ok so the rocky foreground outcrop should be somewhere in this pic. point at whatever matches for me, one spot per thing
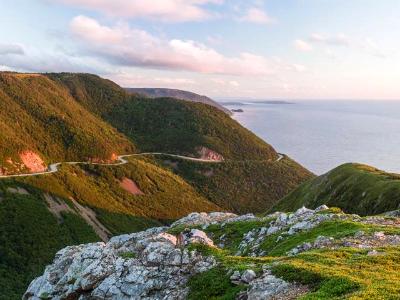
(158, 263)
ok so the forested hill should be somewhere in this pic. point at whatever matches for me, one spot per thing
(48, 118)
(177, 94)
(165, 124)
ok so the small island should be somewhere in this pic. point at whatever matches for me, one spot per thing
(239, 110)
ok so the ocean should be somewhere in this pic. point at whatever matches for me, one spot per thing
(324, 134)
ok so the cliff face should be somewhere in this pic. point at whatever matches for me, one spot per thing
(279, 256)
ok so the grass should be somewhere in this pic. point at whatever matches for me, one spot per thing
(213, 284)
(354, 188)
(127, 255)
(335, 229)
(166, 195)
(345, 272)
(233, 232)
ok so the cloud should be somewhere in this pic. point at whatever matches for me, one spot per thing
(302, 45)
(13, 49)
(256, 15)
(367, 45)
(335, 40)
(133, 79)
(36, 60)
(126, 46)
(372, 48)
(225, 83)
(159, 10)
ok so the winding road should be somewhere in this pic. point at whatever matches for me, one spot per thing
(53, 168)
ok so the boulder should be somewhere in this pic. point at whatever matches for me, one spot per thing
(248, 276)
(144, 265)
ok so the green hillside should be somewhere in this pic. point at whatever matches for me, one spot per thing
(355, 188)
(80, 117)
(39, 115)
(32, 229)
(30, 236)
(165, 124)
(241, 186)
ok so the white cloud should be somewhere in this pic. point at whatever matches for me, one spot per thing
(36, 60)
(334, 40)
(256, 15)
(13, 49)
(159, 10)
(367, 45)
(371, 47)
(302, 45)
(127, 46)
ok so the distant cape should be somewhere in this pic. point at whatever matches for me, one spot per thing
(178, 94)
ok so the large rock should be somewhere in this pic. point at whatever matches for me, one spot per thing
(194, 236)
(145, 265)
(195, 219)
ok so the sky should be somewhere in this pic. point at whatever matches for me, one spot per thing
(225, 49)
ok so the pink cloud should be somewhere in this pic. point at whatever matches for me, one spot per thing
(302, 45)
(128, 46)
(160, 10)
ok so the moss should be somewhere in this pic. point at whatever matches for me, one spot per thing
(345, 273)
(127, 255)
(213, 284)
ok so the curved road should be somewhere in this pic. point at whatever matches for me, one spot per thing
(53, 168)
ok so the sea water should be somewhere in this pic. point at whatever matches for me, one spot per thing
(324, 134)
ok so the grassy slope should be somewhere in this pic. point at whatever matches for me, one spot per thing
(166, 196)
(40, 115)
(30, 236)
(353, 187)
(244, 186)
(345, 273)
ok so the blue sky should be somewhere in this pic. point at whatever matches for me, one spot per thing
(283, 49)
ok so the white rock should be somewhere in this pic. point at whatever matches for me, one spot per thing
(321, 208)
(272, 230)
(159, 270)
(248, 276)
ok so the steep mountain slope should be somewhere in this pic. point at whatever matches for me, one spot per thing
(175, 126)
(39, 118)
(355, 188)
(177, 94)
(165, 124)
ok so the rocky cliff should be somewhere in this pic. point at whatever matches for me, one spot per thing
(278, 256)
